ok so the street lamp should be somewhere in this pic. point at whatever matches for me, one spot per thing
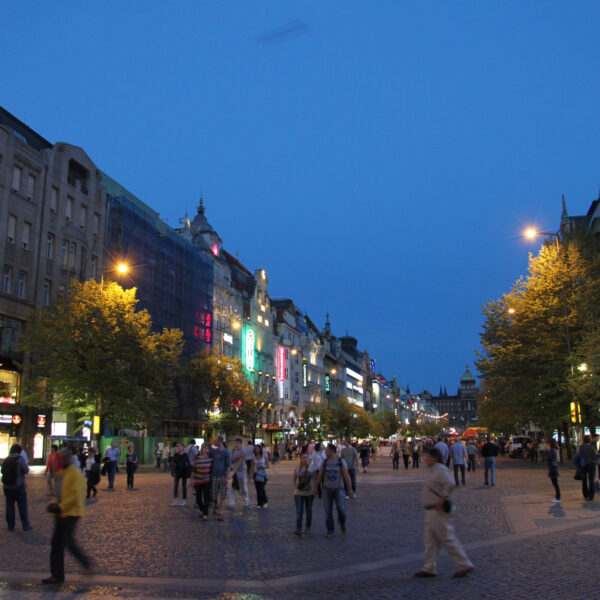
(511, 311)
(122, 268)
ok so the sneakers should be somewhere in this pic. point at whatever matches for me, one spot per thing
(329, 534)
(246, 504)
(298, 532)
(463, 572)
(175, 502)
(51, 580)
(555, 501)
(265, 505)
(182, 503)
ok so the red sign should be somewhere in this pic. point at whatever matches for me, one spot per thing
(16, 419)
(124, 442)
(41, 421)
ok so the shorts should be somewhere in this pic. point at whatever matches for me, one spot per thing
(218, 488)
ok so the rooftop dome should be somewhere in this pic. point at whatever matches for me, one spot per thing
(467, 376)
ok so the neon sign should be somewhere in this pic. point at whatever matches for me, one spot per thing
(304, 374)
(327, 384)
(281, 363)
(250, 350)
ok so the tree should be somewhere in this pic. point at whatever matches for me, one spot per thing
(386, 423)
(100, 356)
(527, 336)
(340, 419)
(314, 418)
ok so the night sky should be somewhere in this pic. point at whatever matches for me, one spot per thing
(378, 159)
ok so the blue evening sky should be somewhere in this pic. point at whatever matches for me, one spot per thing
(379, 159)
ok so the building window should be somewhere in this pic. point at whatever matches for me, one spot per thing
(11, 233)
(50, 245)
(69, 209)
(7, 279)
(83, 217)
(94, 266)
(46, 293)
(287, 394)
(27, 235)
(54, 200)
(64, 252)
(96, 223)
(30, 187)
(72, 254)
(16, 178)
(9, 342)
(22, 285)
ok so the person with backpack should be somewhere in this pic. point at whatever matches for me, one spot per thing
(303, 493)
(14, 469)
(332, 476)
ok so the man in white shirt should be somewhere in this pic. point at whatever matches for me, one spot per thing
(459, 455)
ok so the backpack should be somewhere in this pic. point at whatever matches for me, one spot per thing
(10, 470)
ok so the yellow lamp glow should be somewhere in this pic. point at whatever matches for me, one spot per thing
(122, 268)
(530, 233)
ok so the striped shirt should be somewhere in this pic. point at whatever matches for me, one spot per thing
(202, 466)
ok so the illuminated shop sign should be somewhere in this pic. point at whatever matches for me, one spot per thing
(354, 374)
(228, 338)
(250, 349)
(327, 384)
(304, 374)
(373, 366)
(281, 363)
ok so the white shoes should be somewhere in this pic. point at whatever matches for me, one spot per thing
(175, 502)
(182, 503)
(555, 501)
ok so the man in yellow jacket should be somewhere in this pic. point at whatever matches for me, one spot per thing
(68, 512)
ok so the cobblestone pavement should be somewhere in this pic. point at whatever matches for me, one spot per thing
(145, 548)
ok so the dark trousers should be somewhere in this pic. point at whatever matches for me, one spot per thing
(352, 476)
(462, 472)
(177, 478)
(472, 462)
(249, 467)
(261, 494)
(112, 470)
(554, 480)
(395, 461)
(303, 502)
(331, 496)
(18, 495)
(203, 497)
(415, 460)
(91, 489)
(406, 458)
(63, 537)
(587, 485)
(130, 473)
(158, 462)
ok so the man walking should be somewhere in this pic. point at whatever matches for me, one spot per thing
(238, 467)
(489, 452)
(417, 448)
(587, 453)
(332, 475)
(221, 467)
(249, 457)
(439, 531)
(112, 453)
(350, 455)
(472, 456)
(443, 449)
(68, 512)
(14, 469)
(458, 452)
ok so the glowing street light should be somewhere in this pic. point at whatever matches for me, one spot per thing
(582, 368)
(122, 268)
(531, 233)
(511, 311)
(236, 325)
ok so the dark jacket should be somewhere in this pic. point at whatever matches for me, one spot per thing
(588, 453)
(22, 470)
(488, 450)
(180, 465)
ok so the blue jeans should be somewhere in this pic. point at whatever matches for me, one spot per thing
(112, 470)
(490, 467)
(352, 475)
(18, 495)
(301, 502)
(329, 497)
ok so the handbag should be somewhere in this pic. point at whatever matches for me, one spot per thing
(579, 474)
(235, 483)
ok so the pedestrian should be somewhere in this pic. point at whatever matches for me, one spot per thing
(444, 450)
(221, 468)
(489, 452)
(552, 462)
(365, 453)
(158, 454)
(201, 481)
(302, 479)
(92, 473)
(14, 469)
(260, 464)
(585, 459)
(439, 531)
(192, 451)
(350, 455)
(405, 452)
(82, 458)
(332, 475)
(112, 454)
(67, 512)
(395, 456)
(239, 481)
(131, 465)
(317, 456)
(180, 471)
(471, 456)
(459, 455)
(166, 456)
(53, 467)
(417, 449)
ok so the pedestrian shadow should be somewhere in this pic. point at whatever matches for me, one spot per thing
(132, 489)
(587, 505)
(32, 538)
(557, 511)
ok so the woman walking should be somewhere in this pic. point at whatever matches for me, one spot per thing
(201, 481)
(303, 478)
(180, 467)
(552, 462)
(131, 464)
(260, 464)
(92, 473)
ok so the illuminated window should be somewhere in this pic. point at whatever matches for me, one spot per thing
(259, 318)
(266, 322)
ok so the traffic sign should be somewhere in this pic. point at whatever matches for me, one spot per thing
(16, 419)
(41, 421)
